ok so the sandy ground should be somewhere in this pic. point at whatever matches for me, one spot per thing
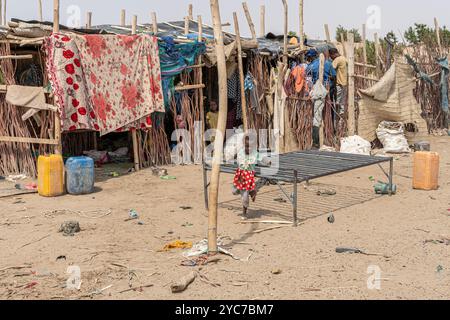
(114, 254)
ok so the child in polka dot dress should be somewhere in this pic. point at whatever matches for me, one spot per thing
(244, 180)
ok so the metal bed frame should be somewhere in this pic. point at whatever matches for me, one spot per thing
(304, 166)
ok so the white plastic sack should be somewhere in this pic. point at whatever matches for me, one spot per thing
(392, 136)
(355, 145)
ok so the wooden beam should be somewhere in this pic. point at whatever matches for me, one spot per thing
(351, 84)
(191, 12)
(123, 17)
(190, 87)
(5, 18)
(154, 23)
(302, 24)
(88, 20)
(369, 66)
(40, 17)
(377, 54)
(438, 35)
(200, 35)
(58, 147)
(218, 142)
(262, 21)
(285, 32)
(249, 20)
(364, 41)
(134, 131)
(186, 25)
(327, 33)
(200, 91)
(53, 142)
(17, 57)
(241, 72)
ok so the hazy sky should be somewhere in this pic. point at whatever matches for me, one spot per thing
(387, 15)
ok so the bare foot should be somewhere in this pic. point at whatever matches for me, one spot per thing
(253, 195)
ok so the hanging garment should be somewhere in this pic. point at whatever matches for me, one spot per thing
(251, 90)
(443, 62)
(299, 73)
(318, 95)
(234, 93)
(107, 83)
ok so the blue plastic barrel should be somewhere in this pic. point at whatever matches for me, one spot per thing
(80, 175)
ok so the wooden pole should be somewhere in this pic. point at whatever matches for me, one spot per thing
(438, 35)
(302, 24)
(1, 12)
(201, 99)
(191, 12)
(123, 17)
(88, 20)
(241, 72)
(327, 33)
(262, 21)
(58, 147)
(218, 142)
(364, 41)
(321, 76)
(377, 55)
(186, 25)
(249, 20)
(154, 23)
(40, 11)
(200, 29)
(134, 131)
(343, 44)
(351, 84)
(285, 42)
(5, 19)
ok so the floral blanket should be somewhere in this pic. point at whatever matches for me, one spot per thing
(105, 83)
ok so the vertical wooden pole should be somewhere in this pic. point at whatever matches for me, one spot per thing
(40, 11)
(1, 12)
(123, 17)
(191, 12)
(364, 40)
(351, 84)
(249, 20)
(344, 48)
(88, 20)
(377, 55)
(262, 21)
(58, 148)
(241, 72)
(285, 42)
(154, 23)
(302, 24)
(186, 25)
(321, 77)
(5, 18)
(438, 35)
(201, 99)
(327, 33)
(218, 142)
(134, 131)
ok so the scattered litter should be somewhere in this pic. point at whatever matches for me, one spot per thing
(185, 208)
(95, 292)
(15, 178)
(69, 228)
(439, 269)
(178, 244)
(331, 218)
(240, 284)
(114, 174)
(206, 280)
(138, 288)
(280, 200)
(372, 179)
(168, 178)
(326, 192)
(442, 240)
(133, 215)
(140, 223)
(201, 248)
(187, 224)
(61, 258)
(200, 261)
(183, 283)
(266, 222)
(160, 172)
(355, 145)
(93, 214)
(383, 188)
(358, 251)
(276, 271)
(31, 285)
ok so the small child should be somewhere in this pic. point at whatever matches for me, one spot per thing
(212, 116)
(244, 180)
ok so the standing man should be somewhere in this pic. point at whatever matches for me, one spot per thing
(340, 63)
(319, 91)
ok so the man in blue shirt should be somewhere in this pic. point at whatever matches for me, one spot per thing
(313, 68)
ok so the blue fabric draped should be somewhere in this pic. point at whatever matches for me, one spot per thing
(175, 58)
(443, 62)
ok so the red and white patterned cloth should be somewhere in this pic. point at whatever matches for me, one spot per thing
(105, 82)
(244, 180)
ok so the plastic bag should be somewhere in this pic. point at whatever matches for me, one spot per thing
(392, 136)
(356, 145)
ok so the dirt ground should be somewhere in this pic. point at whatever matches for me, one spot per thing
(284, 263)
